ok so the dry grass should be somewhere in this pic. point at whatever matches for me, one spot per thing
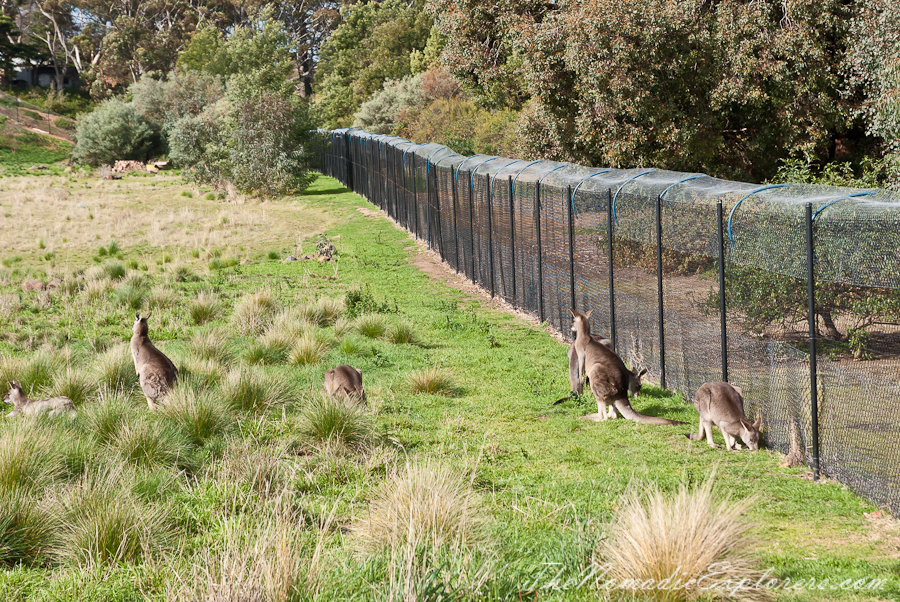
(431, 381)
(204, 307)
(213, 345)
(310, 349)
(288, 325)
(253, 312)
(343, 421)
(656, 536)
(427, 520)
(133, 213)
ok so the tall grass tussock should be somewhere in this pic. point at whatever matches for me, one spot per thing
(247, 389)
(114, 369)
(309, 349)
(655, 536)
(205, 307)
(200, 416)
(254, 312)
(342, 421)
(432, 381)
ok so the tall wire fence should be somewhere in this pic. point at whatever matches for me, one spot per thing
(652, 251)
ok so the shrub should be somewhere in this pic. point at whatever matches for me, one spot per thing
(654, 537)
(336, 420)
(432, 381)
(113, 131)
(381, 113)
(182, 93)
(64, 124)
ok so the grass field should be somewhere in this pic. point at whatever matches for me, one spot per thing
(249, 485)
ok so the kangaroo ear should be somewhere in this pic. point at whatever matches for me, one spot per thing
(746, 424)
(738, 389)
(572, 311)
(588, 313)
(147, 317)
(137, 317)
(642, 372)
(758, 422)
(358, 371)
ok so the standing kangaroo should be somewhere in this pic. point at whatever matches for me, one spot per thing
(610, 380)
(22, 406)
(344, 380)
(723, 405)
(155, 371)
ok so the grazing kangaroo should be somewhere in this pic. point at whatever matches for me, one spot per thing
(155, 371)
(344, 380)
(723, 405)
(576, 377)
(610, 380)
(22, 406)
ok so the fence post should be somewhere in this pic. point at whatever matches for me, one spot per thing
(722, 318)
(428, 201)
(349, 162)
(415, 229)
(455, 225)
(571, 205)
(472, 227)
(612, 291)
(813, 376)
(490, 211)
(540, 254)
(512, 237)
(659, 289)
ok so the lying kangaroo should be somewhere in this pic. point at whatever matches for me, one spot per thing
(723, 405)
(344, 380)
(22, 406)
(155, 371)
(610, 380)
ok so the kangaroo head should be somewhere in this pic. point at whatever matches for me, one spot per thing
(15, 396)
(580, 321)
(140, 324)
(634, 381)
(750, 433)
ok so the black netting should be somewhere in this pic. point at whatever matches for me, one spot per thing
(544, 235)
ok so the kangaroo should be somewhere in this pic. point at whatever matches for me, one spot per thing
(610, 380)
(53, 406)
(723, 405)
(155, 371)
(576, 377)
(344, 380)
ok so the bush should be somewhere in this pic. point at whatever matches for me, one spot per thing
(114, 131)
(64, 124)
(463, 126)
(381, 113)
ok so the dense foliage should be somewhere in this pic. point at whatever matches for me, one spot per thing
(114, 131)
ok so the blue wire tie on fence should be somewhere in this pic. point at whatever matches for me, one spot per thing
(498, 173)
(843, 198)
(428, 160)
(456, 175)
(694, 177)
(512, 193)
(749, 194)
(583, 180)
(474, 169)
(615, 196)
(558, 167)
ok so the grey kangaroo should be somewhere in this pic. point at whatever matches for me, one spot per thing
(610, 380)
(344, 380)
(576, 377)
(723, 405)
(155, 371)
(22, 406)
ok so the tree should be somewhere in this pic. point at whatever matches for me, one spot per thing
(112, 132)
(11, 48)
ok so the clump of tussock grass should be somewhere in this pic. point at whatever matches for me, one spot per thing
(253, 390)
(162, 296)
(259, 468)
(95, 272)
(352, 346)
(288, 324)
(30, 456)
(148, 443)
(371, 325)
(26, 529)
(323, 311)
(401, 333)
(105, 417)
(74, 384)
(114, 369)
(265, 352)
(9, 306)
(655, 536)
(199, 373)
(212, 344)
(135, 278)
(257, 558)
(309, 349)
(200, 416)
(115, 270)
(97, 290)
(343, 421)
(102, 523)
(204, 307)
(33, 372)
(433, 381)
(427, 519)
(343, 326)
(129, 296)
(253, 313)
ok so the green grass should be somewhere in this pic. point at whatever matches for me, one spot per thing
(253, 442)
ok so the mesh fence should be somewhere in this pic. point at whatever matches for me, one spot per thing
(651, 252)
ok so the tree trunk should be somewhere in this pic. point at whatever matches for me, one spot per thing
(831, 330)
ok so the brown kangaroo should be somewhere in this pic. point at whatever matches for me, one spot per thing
(610, 380)
(155, 371)
(344, 380)
(22, 406)
(723, 405)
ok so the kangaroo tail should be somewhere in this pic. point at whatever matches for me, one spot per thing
(566, 398)
(628, 412)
